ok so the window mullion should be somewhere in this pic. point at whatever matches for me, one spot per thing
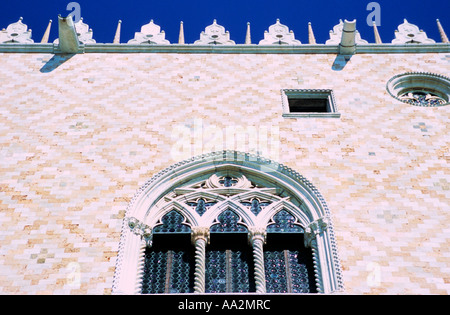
(287, 266)
(168, 271)
(229, 277)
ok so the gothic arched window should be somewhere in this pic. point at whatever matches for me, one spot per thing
(223, 225)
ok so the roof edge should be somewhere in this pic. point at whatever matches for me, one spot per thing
(229, 49)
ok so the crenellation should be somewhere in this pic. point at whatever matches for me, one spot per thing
(277, 34)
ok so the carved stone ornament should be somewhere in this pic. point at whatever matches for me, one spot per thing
(85, 34)
(279, 34)
(200, 232)
(408, 33)
(150, 34)
(16, 33)
(336, 35)
(257, 233)
(214, 34)
(228, 180)
(315, 228)
(141, 229)
(420, 89)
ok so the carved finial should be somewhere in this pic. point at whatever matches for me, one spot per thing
(214, 34)
(149, 34)
(118, 30)
(408, 33)
(444, 37)
(46, 35)
(248, 39)
(377, 35)
(311, 37)
(279, 34)
(181, 36)
(16, 33)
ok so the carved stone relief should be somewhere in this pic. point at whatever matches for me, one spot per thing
(16, 33)
(279, 34)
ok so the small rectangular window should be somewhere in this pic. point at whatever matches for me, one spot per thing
(309, 103)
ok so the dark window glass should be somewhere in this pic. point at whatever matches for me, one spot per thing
(288, 264)
(284, 222)
(229, 264)
(172, 222)
(169, 265)
(308, 105)
(228, 222)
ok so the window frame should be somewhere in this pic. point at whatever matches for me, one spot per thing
(332, 110)
(424, 82)
(311, 213)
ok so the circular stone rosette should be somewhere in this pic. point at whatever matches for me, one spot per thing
(420, 89)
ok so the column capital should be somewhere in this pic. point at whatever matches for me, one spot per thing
(257, 233)
(200, 232)
(315, 228)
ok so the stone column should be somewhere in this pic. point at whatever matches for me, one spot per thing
(257, 238)
(140, 235)
(315, 234)
(200, 237)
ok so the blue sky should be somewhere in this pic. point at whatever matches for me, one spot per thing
(102, 16)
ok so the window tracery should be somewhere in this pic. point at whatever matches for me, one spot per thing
(420, 89)
(228, 222)
(284, 222)
(172, 222)
(220, 202)
(420, 98)
(228, 216)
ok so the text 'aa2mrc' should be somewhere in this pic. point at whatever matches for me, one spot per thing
(225, 305)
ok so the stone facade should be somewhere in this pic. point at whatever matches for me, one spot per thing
(81, 133)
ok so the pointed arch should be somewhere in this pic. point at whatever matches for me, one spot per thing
(228, 221)
(172, 222)
(284, 204)
(247, 218)
(294, 193)
(284, 221)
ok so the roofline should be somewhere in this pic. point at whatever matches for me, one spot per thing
(229, 49)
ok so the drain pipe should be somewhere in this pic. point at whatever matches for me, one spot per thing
(347, 47)
(68, 38)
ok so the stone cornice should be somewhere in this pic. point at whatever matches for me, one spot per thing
(229, 49)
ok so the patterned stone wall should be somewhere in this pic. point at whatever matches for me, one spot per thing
(80, 134)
